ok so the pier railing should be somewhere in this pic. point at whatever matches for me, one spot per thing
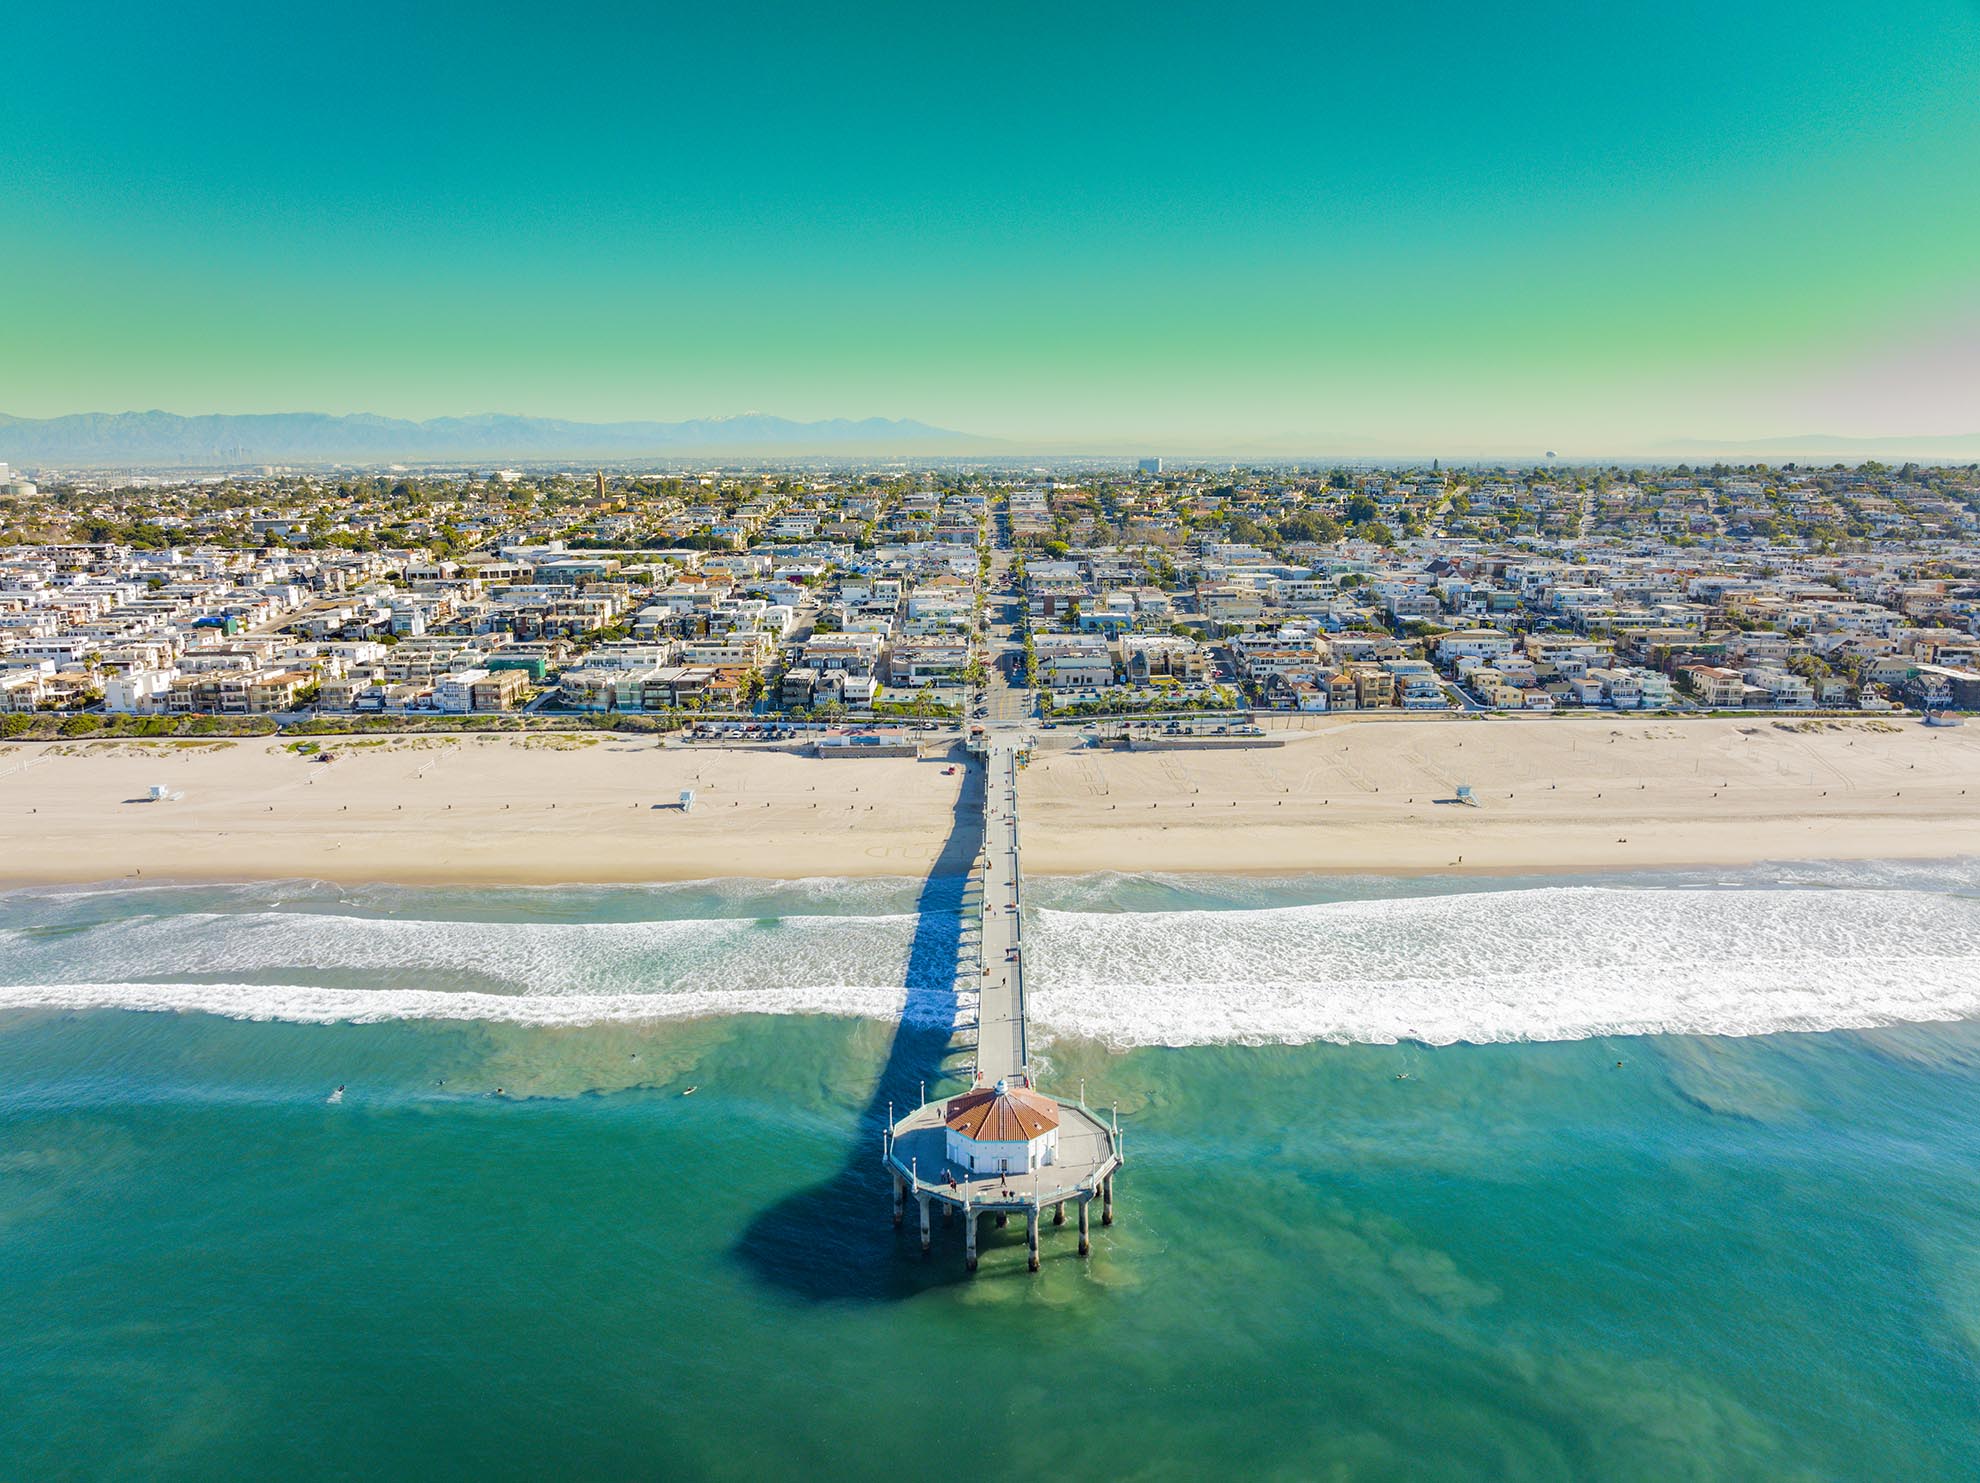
(1037, 1195)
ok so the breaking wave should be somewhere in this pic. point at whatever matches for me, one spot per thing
(1470, 962)
(1545, 963)
(537, 958)
(316, 1005)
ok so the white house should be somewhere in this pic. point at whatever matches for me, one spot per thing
(454, 693)
(1477, 643)
(138, 691)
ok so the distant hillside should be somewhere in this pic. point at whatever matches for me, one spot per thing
(221, 440)
(1952, 447)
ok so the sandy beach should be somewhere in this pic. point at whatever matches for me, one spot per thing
(1595, 793)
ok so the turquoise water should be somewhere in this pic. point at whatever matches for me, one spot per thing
(1750, 1255)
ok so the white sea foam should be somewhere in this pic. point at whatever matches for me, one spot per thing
(729, 895)
(312, 1004)
(1546, 963)
(551, 958)
(1542, 963)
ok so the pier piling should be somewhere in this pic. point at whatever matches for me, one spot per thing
(1085, 1244)
(1031, 1238)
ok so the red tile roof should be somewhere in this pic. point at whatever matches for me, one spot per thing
(1012, 1116)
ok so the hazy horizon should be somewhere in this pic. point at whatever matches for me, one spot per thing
(535, 440)
(1294, 227)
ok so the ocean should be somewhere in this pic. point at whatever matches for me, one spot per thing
(1648, 1176)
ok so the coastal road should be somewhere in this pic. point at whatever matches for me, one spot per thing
(1006, 698)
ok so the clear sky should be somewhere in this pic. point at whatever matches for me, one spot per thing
(1584, 225)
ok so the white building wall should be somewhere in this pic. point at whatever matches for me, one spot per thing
(141, 691)
(1017, 1157)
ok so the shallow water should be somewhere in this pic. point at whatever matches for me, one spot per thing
(1730, 1256)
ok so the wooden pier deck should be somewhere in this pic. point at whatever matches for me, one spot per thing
(1001, 1049)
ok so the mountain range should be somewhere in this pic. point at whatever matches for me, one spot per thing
(224, 440)
(1947, 446)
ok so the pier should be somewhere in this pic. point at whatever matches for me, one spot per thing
(1002, 1148)
(1001, 1051)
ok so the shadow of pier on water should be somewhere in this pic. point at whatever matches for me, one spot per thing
(835, 1240)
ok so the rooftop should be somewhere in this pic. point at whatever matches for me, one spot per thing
(1001, 1114)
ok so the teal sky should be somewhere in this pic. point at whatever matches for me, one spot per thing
(1282, 225)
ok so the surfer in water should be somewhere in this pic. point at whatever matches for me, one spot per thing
(338, 1095)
